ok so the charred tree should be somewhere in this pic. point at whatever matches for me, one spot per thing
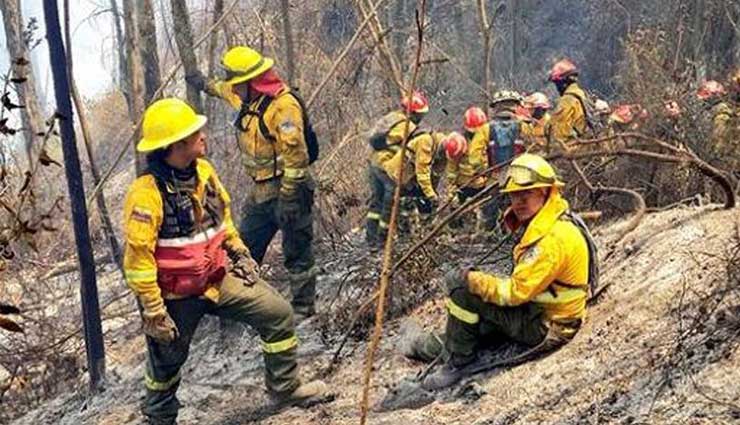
(120, 48)
(88, 290)
(149, 52)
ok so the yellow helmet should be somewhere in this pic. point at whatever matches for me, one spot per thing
(242, 63)
(530, 171)
(167, 121)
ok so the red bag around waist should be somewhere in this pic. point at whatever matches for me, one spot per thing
(185, 266)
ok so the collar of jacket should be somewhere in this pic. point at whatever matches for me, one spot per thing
(542, 222)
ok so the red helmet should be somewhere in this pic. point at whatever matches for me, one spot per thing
(623, 114)
(417, 104)
(710, 89)
(474, 118)
(562, 69)
(455, 145)
(537, 100)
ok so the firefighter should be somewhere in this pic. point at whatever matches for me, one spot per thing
(533, 131)
(180, 239)
(545, 295)
(569, 119)
(423, 164)
(276, 152)
(467, 161)
(713, 95)
(385, 139)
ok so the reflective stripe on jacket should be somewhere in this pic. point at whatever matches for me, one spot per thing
(551, 266)
(179, 264)
(264, 159)
(467, 171)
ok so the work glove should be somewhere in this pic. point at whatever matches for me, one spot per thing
(246, 269)
(428, 206)
(456, 278)
(197, 80)
(160, 327)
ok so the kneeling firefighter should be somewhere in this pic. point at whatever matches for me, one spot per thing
(543, 298)
(179, 240)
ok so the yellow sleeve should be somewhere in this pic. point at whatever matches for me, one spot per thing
(479, 150)
(286, 123)
(423, 165)
(563, 121)
(223, 90)
(142, 218)
(536, 270)
(452, 168)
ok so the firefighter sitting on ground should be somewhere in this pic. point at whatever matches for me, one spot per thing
(179, 240)
(542, 303)
(274, 137)
(385, 139)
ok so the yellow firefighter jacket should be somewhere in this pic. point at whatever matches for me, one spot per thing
(534, 133)
(568, 121)
(467, 171)
(551, 266)
(143, 216)
(285, 157)
(421, 152)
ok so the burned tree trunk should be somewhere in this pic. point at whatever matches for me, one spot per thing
(184, 40)
(31, 116)
(149, 53)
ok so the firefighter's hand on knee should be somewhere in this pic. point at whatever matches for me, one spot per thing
(246, 269)
(160, 327)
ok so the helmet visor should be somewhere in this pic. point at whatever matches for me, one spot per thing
(522, 176)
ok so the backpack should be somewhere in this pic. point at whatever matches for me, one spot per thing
(309, 135)
(593, 126)
(593, 253)
(503, 143)
(379, 134)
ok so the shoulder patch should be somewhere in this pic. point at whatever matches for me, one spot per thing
(530, 255)
(141, 214)
(287, 127)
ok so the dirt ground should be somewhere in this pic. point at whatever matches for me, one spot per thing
(650, 353)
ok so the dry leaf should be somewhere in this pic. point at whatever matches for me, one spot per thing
(10, 325)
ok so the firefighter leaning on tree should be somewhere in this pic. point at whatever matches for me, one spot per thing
(569, 119)
(533, 131)
(385, 140)
(276, 155)
(179, 239)
(543, 300)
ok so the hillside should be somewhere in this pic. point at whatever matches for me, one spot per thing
(660, 347)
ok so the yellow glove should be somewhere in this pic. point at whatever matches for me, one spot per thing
(160, 327)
